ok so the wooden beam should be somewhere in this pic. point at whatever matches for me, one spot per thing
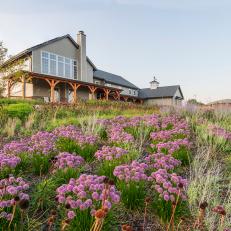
(52, 84)
(92, 91)
(118, 95)
(74, 86)
(107, 91)
(8, 87)
(23, 86)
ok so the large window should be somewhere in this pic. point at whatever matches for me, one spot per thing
(52, 64)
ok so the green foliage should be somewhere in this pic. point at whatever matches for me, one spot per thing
(87, 151)
(40, 163)
(43, 194)
(163, 209)
(103, 134)
(132, 194)
(83, 220)
(20, 110)
(183, 154)
(63, 176)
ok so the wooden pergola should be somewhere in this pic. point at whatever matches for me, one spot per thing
(27, 77)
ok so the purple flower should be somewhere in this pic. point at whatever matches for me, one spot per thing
(70, 215)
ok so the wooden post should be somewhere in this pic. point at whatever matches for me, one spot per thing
(8, 87)
(75, 86)
(125, 98)
(118, 95)
(92, 90)
(23, 87)
(52, 84)
(107, 91)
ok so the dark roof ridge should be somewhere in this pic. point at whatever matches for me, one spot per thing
(114, 79)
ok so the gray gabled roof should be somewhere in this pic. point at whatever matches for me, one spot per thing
(114, 79)
(29, 50)
(159, 92)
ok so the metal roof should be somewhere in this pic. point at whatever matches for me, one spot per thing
(114, 79)
(159, 92)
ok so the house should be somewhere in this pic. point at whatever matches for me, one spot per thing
(59, 70)
(155, 95)
(224, 104)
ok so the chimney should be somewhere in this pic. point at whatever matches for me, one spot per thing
(154, 84)
(82, 57)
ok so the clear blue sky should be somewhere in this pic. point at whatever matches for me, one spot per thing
(186, 42)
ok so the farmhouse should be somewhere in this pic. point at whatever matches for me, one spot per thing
(59, 70)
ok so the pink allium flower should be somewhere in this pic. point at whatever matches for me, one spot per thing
(71, 215)
(110, 153)
(131, 172)
(86, 192)
(67, 160)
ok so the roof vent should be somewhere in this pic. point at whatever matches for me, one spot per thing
(154, 83)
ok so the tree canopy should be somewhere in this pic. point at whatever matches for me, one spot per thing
(3, 53)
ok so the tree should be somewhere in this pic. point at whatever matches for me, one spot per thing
(194, 101)
(3, 53)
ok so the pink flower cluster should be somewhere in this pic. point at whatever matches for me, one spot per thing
(110, 153)
(43, 143)
(88, 191)
(160, 160)
(9, 189)
(118, 135)
(168, 134)
(174, 120)
(131, 172)
(67, 160)
(153, 120)
(169, 185)
(74, 133)
(221, 132)
(16, 147)
(8, 161)
(172, 146)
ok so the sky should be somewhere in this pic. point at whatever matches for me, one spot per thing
(185, 42)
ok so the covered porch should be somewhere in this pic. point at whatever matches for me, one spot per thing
(54, 89)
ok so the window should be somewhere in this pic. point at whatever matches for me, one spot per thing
(53, 64)
(130, 91)
(97, 82)
(45, 62)
(134, 92)
(74, 69)
(60, 66)
(67, 68)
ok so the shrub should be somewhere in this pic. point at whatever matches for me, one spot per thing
(8, 164)
(163, 209)
(68, 145)
(20, 110)
(183, 154)
(131, 182)
(12, 198)
(80, 199)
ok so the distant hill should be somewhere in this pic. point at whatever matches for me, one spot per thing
(222, 101)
